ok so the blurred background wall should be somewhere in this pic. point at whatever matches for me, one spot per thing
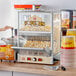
(8, 15)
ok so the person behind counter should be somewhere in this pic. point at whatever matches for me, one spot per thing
(6, 28)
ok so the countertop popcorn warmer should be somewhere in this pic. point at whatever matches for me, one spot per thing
(35, 37)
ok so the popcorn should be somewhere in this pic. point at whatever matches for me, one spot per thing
(37, 44)
(46, 28)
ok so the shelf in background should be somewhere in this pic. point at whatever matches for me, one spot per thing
(34, 33)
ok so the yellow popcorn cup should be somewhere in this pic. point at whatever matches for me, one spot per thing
(72, 32)
(68, 42)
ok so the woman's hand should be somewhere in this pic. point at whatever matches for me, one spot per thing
(7, 27)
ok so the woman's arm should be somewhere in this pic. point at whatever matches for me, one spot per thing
(2, 29)
(6, 28)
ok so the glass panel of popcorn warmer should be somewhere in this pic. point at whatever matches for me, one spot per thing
(35, 21)
(35, 27)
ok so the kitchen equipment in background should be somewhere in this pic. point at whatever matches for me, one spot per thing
(68, 52)
(13, 39)
(36, 29)
(66, 22)
(74, 19)
(66, 19)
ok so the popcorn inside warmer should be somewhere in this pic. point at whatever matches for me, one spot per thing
(42, 42)
(35, 21)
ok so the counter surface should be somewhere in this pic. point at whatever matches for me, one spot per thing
(35, 69)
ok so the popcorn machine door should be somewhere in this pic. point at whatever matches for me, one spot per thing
(36, 30)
